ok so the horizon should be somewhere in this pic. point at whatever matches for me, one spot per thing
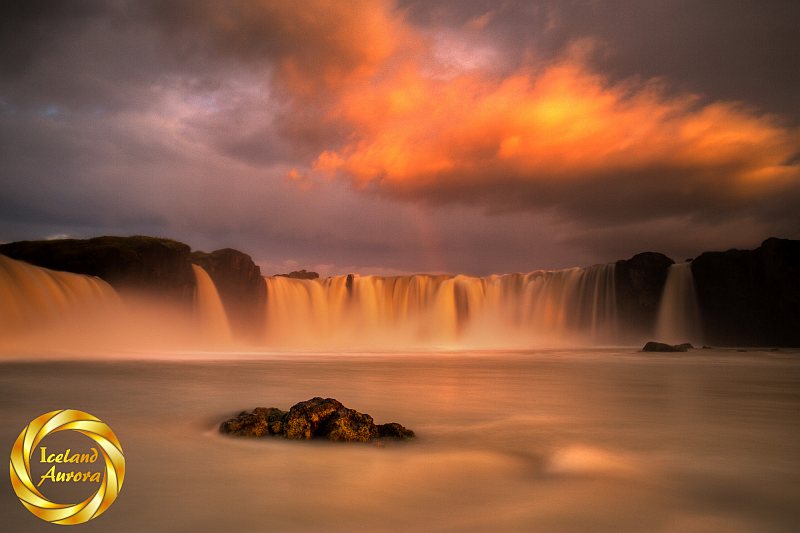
(385, 273)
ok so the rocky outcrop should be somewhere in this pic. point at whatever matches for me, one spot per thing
(653, 346)
(750, 297)
(240, 285)
(639, 282)
(146, 264)
(317, 418)
(300, 274)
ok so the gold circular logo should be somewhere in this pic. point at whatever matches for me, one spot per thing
(110, 481)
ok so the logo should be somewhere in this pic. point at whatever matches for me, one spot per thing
(97, 461)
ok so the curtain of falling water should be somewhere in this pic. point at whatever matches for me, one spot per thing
(544, 307)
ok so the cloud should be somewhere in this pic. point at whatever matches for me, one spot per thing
(462, 136)
(313, 46)
(562, 137)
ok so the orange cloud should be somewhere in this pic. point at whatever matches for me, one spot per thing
(400, 115)
(560, 123)
(533, 137)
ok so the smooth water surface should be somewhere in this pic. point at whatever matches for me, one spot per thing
(589, 440)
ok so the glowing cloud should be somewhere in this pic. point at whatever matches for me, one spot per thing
(544, 136)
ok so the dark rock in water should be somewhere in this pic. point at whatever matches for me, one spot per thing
(240, 285)
(306, 419)
(349, 425)
(653, 346)
(393, 430)
(750, 297)
(300, 274)
(148, 264)
(639, 283)
(262, 421)
(317, 418)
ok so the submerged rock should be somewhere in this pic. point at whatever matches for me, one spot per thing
(653, 346)
(317, 418)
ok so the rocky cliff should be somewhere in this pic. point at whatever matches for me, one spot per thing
(240, 285)
(145, 264)
(750, 297)
(639, 283)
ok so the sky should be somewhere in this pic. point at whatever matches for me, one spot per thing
(383, 137)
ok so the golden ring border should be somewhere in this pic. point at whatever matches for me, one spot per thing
(92, 427)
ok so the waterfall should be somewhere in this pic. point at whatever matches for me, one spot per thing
(538, 308)
(679, 315)
(32, 297)
(542, 308)
(208, 307)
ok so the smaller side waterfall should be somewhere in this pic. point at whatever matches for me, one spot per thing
(208, 307)
(679, 314)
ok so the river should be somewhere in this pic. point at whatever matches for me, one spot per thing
(549, 440)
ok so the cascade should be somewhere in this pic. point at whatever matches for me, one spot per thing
(31, 296)
(678, 314)
(208, 307)
(571, 306)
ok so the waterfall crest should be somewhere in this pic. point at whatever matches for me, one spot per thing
(679, 314)
(572, 306)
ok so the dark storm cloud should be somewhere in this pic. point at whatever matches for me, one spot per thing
(30, 28)
(744, 50)
(185, 119)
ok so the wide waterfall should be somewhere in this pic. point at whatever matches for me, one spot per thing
(679, 315)
(208, 307)
(32, 297)
(574, 306)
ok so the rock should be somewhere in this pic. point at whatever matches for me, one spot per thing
(146, 264)
(639, 282)
(349, 425)
(750, 297)
(653, 346)
(300, 274)
(393, 430)
(305, 419)
(240, 285)
(317, 418)
(262, 421)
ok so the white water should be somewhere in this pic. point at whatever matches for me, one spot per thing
(209, 309)
(679, 315)
(575, 306)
